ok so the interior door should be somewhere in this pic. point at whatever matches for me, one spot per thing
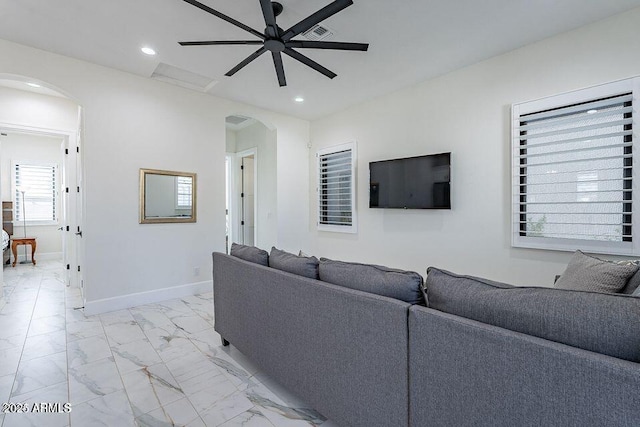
(64, 209)
(79, 205)
(248, 201)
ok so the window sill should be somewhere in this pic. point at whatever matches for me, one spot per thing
(17, 225)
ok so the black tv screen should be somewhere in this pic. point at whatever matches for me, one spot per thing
(412, 183)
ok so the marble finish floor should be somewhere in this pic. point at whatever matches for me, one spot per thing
(153, 365)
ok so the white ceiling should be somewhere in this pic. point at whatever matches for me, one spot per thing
(410, 41)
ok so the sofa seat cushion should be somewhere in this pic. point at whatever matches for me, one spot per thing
(376, 279)
(250, 253)
(301, 265)
(587, 273)
(604, 323)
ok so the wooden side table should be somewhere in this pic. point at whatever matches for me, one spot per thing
(16, 241)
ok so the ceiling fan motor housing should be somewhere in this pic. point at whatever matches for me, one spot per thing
(274, 45)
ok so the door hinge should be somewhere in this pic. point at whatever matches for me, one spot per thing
(78, 189)
(66, 151)
(67, 189)
(241, 194)
(78, 268)
(241, 222)
(67, 228)
(241, 167)
(68, 267)
(77, 149)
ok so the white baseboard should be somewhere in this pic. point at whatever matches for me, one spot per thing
(148, 297)
(47, 256)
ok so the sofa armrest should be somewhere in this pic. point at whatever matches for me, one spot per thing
(463, 372)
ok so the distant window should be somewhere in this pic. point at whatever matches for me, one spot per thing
(336, 189)
(573, 171)
(37, 182)
(184, 192)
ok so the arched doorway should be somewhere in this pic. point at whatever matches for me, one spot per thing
(251, 171)
(35, 118)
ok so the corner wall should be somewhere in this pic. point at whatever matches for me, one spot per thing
(466, 112)
(130, 123)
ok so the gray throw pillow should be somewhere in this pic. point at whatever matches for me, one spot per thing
(250, 253)
(300, 265)
(376, 279)
(604, 323)
(587, 273)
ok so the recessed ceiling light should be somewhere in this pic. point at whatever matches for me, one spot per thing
(592, 111)
(298, 99)
(148, 51)
(33, 85)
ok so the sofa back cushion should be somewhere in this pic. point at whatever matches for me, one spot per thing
(399, 284)
(250, 253)
(603, 323)
(300, 265)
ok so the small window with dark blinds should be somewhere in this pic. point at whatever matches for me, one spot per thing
(573, 175)
(336, 189)
(184, 192)
(35, 192)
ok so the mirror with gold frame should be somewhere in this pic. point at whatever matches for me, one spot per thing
(167, 196)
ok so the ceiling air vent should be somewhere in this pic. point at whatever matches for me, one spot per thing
(177, 76)
(236, 120)
(317, 32)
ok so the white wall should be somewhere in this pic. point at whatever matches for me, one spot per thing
(25, 147)
(467, 112)
(258, 136)
(231, 141)
(18, 107)
(132, 122)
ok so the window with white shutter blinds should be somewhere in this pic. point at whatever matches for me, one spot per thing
(573, 175)
(38, 181)
(336, 189)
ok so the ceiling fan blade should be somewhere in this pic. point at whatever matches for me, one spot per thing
(277, 61)
(304, 44)
(225, 17)
(316, 18)
(220, 42)
(249, 58)
(269, 18)
(309, 62)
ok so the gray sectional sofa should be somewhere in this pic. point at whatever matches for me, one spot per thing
(363, 352)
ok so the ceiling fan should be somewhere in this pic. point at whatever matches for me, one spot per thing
(278, 41)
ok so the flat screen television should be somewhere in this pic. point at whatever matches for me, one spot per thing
(411, 183)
